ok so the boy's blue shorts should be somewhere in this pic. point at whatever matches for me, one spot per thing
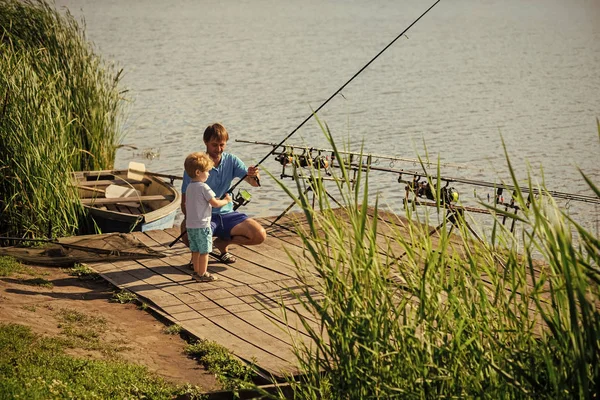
(200, 240)
(222, 224)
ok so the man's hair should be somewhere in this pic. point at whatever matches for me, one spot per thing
(215, 131)
(197, 161)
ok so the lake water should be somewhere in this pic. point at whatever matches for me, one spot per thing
(467, 75)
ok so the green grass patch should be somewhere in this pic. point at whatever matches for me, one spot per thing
(40, 282)
(173, 329)
(30, 307)
(10, 265)
(83, 272)
(86, 332)
(123, 297)
(231, 372)
(35, 367)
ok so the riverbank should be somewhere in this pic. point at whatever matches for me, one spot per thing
(55, 304)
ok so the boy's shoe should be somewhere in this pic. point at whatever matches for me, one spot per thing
(206, 277)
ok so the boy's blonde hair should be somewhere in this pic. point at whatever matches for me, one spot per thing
(197, 161)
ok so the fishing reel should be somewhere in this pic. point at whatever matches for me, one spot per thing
(321, 162)
(241, 198)
(448, 195)
(284, 159)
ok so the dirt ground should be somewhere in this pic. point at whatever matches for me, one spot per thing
(139, 332)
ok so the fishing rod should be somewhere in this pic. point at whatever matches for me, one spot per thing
(448, 179)
(306, 159)
(353, 153)
(326, 102)
(497, 186)
(338, 91)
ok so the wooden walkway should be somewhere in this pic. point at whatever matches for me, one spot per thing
(241, 310)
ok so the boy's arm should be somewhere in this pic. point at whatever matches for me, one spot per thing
(220, 202)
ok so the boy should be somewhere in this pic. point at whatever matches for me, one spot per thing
(200, 200)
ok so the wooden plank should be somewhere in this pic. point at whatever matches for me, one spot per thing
(118, 182)
(241, 321)
(132, 199)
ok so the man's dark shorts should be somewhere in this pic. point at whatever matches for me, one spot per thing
(222, 224)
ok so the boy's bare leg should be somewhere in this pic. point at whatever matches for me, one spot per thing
(196, 261)
(248, 232)
(202, 264)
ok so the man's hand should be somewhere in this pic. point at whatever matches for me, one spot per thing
(254, 175)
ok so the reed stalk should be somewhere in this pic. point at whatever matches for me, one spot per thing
(60, 111)
(410, 314)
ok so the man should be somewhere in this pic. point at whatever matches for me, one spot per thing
(229, 226)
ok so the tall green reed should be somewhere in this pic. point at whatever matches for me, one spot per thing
(60, 111)
(404, 313)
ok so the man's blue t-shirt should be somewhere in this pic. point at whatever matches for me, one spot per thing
(220, 178)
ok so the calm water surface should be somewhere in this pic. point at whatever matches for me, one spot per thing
(468, 75)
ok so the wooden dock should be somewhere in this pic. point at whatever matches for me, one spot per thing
(240, 311)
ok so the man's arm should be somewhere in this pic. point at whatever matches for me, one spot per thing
(184, 184)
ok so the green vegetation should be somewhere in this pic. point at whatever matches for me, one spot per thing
(83, 272)
(59, 111)
(85, 332)
(413, 315)
(123, 297)
(173, 329)
(35, 367)
(41, 282)
(10, 265)
(232, 373)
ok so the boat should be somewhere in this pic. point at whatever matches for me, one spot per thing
(122, 201)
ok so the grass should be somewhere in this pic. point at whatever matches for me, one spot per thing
(60, 111)
(232, 373)
(123, 297)
(41, 282)
(36, 367)
(83, 331)
(83, 272)
(10, 265)
(173, 329)
(411, 315)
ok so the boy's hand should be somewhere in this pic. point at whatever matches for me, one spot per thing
(227, 197)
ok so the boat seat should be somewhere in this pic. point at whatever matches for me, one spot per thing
(119, 181)
(133, 199)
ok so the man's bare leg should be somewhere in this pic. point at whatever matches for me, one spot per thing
(248, 232)
(184, 237)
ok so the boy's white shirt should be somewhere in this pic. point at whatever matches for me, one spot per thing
(197, 207)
